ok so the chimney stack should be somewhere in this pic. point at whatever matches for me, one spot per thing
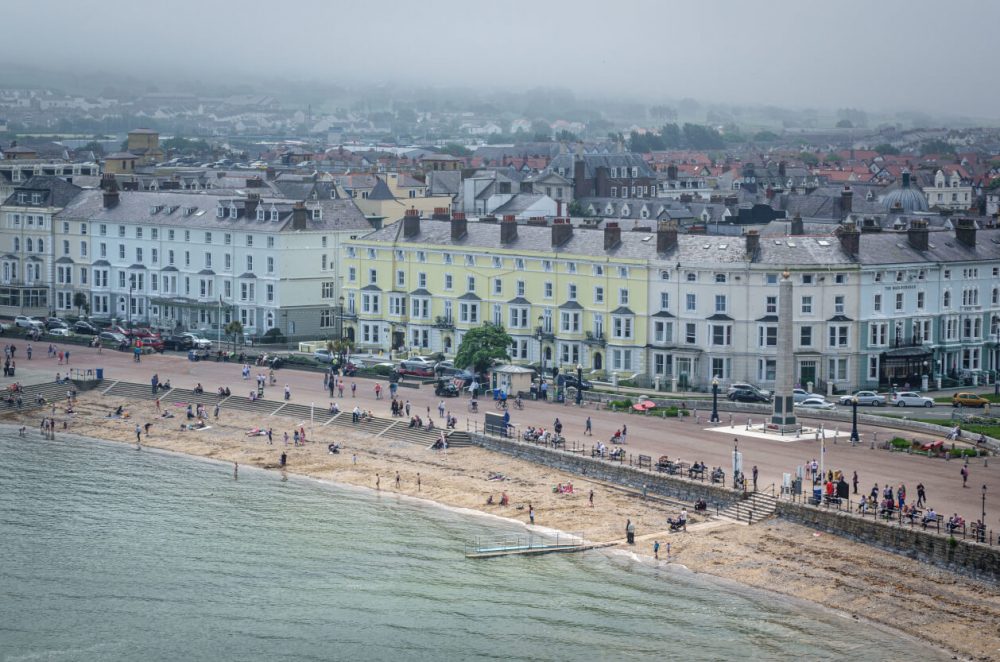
(562, 230)
(110, 186)
(782, 169)
(917, 234)
(797, 228)
(411, 223)
(253, 200)
(753, 243)
(906, 179)
(666, 236)
(508, 230)
(299, 216)
(441, 214)
(846, 200)
(459, 226)
(850, 238)
(965, 231)
(612, 235)
(671, 172)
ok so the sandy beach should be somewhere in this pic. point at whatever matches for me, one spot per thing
(940, 608)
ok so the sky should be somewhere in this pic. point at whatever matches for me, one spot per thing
(887, 55)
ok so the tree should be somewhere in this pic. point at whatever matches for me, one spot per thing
(702, 137)
(670, 134)
(578, 210)
(765, 137)
(809, 159)
(95, 147)
(885, 149)
(936, 146)
(845, 124)
(482, 346)
(833, 157)
(234, 329)
(454, 149)
(80, 301)
(565, 136)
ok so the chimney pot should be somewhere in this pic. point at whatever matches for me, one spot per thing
(562, 230)
(411, 223)
(965, 231)
(850, 238)
(666, 236)
(612, 235)
(917, 234)
(753, 243)
(459, 226)
(508, 230)
(797, 227)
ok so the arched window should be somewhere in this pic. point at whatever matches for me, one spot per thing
(17, 243)
(41, 245)
(946, 301)
(28, 244)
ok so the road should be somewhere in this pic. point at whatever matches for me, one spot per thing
(684, 439)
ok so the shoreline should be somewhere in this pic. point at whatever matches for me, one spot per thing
(776, 558)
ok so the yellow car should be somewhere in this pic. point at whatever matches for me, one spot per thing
(968, 400)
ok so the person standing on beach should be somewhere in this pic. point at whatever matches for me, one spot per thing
(138, 434)
(418, 481)
(407, 407)
(378, 482)
(397, 480)
(216, 411)
(656, 550)
(630, 532)
(531, 514)
(588, 430)
(236, 470)
(591, 498)
(283, 460)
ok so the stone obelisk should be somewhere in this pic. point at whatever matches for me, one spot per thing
(783, 414)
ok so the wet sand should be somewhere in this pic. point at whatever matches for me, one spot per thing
(941, 608)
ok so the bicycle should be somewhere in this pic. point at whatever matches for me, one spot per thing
(518, 404)
(502, 405)
(474, 407)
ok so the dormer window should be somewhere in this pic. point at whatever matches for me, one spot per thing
(220, 212)
(233, 211)
(273, 214)
(36, 198)
(317, 214)
(260, 213)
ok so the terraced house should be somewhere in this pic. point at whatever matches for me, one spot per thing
(675, 311)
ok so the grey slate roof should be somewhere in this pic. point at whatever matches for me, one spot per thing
(571, 305)
(593, 161)
(56, 192)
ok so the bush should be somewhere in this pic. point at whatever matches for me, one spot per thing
(963, 452)
(273, 337)
(628, 383)
(621, 404)
(378, 371)
(900, 444)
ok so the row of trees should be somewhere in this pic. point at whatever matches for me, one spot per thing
(672, 136)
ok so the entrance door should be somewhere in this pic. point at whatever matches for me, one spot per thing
(398, 339)
(807, 373)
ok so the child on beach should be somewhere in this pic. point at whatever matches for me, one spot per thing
(656, 550)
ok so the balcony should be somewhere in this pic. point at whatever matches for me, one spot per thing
(597, 339)
(442, 322)
(542, 334)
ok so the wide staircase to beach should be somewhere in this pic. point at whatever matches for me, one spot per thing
(755, 508)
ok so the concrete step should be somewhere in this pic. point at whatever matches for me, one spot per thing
(755, 508)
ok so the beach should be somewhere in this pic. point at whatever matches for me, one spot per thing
(940, 608)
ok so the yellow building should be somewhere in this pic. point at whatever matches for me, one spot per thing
(389, 196)
(567, 295)
(145, 144)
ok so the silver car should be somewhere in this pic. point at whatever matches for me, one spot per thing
(864, 398)
(911, 399)
(815, 402)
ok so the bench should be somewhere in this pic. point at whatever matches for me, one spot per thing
(697, 472)
(645, 461)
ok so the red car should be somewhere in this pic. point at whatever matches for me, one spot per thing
(143, 332)
(151, 341)
(119, 330)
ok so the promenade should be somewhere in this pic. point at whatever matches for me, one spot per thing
(681, 439)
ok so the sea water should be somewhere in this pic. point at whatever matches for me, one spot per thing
(108, 553)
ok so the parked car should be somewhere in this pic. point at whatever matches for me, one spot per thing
(324, 355)
(800, 394)
(422, 360)
(569, 381)
(143, 332)
(968, 400)
(748, 395)
(864, 398)
(815, 402)
(910, 399)
(27, 322)
(114, 337)
(182, 343)
(85, 328)
(417, 367)
(740, 386)
(155, 342)
(59, 331)
(198, 342)
(55, 323)
(120, 330)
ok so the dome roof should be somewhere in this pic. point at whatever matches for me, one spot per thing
(905, 198)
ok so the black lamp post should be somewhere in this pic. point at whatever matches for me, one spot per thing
(579, 384)
(984, 507)
(715, 400)
(855, 437)
(541, 348)
(131, 294)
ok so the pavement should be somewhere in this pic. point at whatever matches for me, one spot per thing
(683, 439)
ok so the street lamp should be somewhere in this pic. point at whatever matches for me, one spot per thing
(579, 384)
(131, 291)
(541, 349)
(984, 507)
(855, 437)
(715, 400)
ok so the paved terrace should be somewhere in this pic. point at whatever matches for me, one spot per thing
(682, 439)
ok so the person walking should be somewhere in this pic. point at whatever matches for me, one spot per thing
(656, 550)
(965, 475)
(589, 429)
(418, 481)
(354, 389)
(591, 498)
(753, 472)
(270, 438)
(557, 426)
(138, 435)
(216, 411)
(340, 388)
(855, 481)
(288, 392)
(378, 391)
(397, 480)
(921, 495)
(29, 351)
(283, 460)
(630, 532)
(378, 482)
(531, 514)
(407, 407)
(624, 432)
(236, 470)
(441, 409)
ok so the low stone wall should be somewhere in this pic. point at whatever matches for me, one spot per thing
(975, 560)
(612, 472)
